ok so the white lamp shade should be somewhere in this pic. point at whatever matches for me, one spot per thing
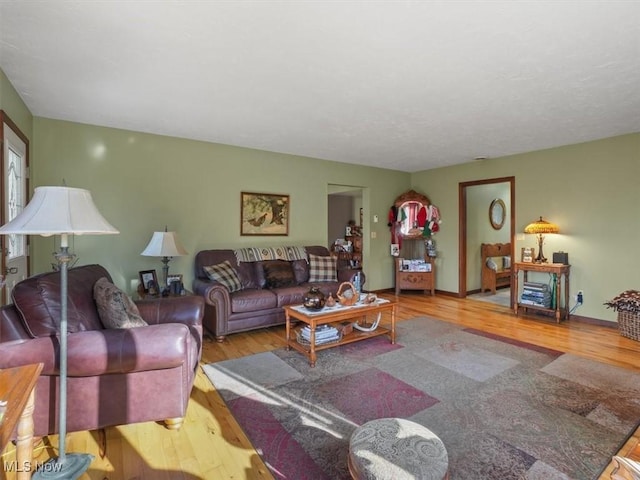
(59, 211)
(164, 244)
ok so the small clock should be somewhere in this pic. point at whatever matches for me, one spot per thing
(497, 213)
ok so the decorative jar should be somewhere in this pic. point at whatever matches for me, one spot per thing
(314, 299)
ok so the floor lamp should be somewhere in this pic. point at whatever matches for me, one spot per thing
(61, 211)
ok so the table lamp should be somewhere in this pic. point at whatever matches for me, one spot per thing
(538, 228)
(166, 245)
(61, 211)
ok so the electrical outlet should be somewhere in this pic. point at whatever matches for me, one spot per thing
(580, 297)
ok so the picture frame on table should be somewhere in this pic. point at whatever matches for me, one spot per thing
(174, 277)
(264, 214)
(527, 254)
(149, 281)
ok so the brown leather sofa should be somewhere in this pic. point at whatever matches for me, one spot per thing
(255, 306)
(115, 376)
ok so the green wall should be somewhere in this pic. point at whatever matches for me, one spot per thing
(14, 107)
(142, 182)
(590, 190)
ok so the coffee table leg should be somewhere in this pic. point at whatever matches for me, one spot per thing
(312, 346)
(393, 325)
(288, 327)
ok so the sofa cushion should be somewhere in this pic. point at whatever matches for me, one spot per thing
(322, 269)
(225, 274)
(492, 264)
(278, 273)
(300, 270)
(115, 308)
(253, 300)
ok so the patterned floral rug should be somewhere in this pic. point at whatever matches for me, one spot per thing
(504, 409)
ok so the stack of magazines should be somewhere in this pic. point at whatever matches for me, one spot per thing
(536, 294)
(324, 334)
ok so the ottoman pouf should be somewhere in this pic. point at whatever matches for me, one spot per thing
(395, 449)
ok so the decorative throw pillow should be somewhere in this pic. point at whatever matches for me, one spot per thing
(278, 273)
(506, 263)
(491, 264)
(115, 308)
(225, 274)
(322, 269)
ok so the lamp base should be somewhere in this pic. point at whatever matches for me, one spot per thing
(540, 258)
(75, 464)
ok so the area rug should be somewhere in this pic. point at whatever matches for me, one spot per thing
(504, 409)
(502, 297)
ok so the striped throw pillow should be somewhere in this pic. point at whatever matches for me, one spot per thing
(322, 269)
(225, 274)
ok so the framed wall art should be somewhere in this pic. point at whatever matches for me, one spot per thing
(264, 214)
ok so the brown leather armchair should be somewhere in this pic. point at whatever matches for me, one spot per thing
(115, 376)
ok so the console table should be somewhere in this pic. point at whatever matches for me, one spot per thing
(16, 387)
(562, 272)
(415, 279)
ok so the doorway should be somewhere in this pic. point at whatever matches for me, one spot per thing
(463, 227)
(14, 158)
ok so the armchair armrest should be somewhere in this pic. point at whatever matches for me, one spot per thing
(97, 352)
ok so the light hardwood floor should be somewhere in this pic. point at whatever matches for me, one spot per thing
(211, 445)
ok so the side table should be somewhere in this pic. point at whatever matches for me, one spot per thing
(17, 389)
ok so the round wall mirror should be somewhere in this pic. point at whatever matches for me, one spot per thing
(497, 213)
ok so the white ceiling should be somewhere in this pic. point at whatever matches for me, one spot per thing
(406, 85)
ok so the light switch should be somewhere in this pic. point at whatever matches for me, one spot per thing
(375, 219)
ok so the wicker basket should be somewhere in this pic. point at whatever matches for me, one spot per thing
(347, 294)
(629, 325)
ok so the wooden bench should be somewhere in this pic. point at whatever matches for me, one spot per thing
(499, 277)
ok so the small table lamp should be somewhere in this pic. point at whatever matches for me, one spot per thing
(61, 211)
(538, 228)
(166, 245)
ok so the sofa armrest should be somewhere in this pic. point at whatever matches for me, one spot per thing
(348, 274)
(98, 352)
(214, 294)
(217, 305)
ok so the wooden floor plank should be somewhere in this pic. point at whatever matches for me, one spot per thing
(211, 444)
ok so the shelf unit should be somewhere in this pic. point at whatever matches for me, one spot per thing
(561, 272)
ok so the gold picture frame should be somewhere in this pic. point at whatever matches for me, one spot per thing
(264, 214)
(527, 254)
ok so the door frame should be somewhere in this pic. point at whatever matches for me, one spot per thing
(462, 226)
(5, 119)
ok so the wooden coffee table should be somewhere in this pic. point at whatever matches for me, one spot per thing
(337, 315)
